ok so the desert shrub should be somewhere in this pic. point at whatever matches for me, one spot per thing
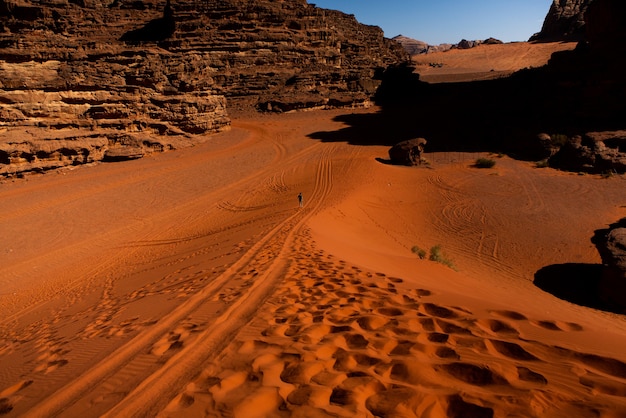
(419, 252)
(437, 255)
(542, 164)
(607, 174)
(484, 163)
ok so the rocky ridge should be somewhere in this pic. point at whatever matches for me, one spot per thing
(90, 80)
(415, 47)
(565, 21)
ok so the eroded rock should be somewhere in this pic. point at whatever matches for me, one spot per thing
(594, 152)
(162, 69)
(611, 244)
(408, 152)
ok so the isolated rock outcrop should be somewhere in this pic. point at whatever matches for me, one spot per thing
(156, 70)
(408, 152)
(412, 46)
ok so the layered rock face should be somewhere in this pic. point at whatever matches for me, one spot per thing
(83, 79)
(285, 55)
(565, 21)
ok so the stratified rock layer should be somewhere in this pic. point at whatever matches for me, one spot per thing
(152, 75)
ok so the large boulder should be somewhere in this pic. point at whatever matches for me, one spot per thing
(612, 247)
(408, 152)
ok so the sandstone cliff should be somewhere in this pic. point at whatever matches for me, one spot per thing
(565, 21)
(83, 79)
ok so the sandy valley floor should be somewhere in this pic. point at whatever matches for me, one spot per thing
(190, 283)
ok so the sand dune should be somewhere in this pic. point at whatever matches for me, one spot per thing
(485, 61)
(191, 284)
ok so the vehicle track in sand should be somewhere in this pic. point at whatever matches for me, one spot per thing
(133, 375)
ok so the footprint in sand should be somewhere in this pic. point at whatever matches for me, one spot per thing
(5, 406)
(459, 408)
(438, 311)
(510, 350)
(549, 325)
(51, 360)
(498, 327)
(371, 323)
(391, 312)
(526, 375)
(516, 316)
(402, 348)
(451, 328)
(174, 340)
(447, 353)
(393, 402)
(472, 374)
(608, 366)
(602, 385)
(423, 293)
(5, 395)
(437, 337)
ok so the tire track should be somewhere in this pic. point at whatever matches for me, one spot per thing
(218, 310)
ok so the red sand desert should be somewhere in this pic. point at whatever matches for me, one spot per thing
(485, 61)
(190, 284)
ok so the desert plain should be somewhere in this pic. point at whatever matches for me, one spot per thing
(191, 284)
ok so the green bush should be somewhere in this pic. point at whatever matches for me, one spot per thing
(437, 255)
(484, 163)
(419, 252)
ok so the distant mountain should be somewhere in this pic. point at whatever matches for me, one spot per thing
(415, 47)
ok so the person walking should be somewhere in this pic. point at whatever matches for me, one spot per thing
(300, 199)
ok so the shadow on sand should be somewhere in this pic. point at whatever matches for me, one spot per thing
(575, 283)
(501, 115)
(583, 284)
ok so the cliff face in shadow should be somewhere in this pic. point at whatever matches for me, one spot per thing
(578, 92)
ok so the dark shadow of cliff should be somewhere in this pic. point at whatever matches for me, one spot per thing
(582, 284)
(501, 115)
(156, 30)
(574, 282)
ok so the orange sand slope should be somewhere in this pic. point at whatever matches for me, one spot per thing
(485, 61)
(191, 284)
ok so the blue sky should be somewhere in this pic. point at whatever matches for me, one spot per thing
(448, 21)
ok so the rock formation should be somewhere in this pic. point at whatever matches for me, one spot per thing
(579, 93)
(412, 46)
(594, 152)
(83, 78)
(408, 152)
(565, 21)
(415, 47)
(611, 244)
